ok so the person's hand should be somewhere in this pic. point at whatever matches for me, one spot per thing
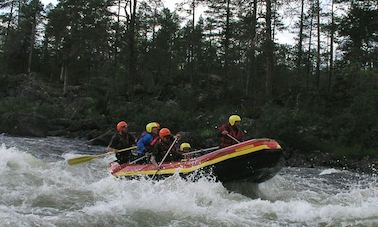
(109, 149)
(224, 132)
(178, 136)
(135, 152)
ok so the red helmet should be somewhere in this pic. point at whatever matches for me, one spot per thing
(121, 125)
(164, 132)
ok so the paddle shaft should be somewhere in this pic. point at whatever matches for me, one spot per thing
(202, 150)
(86, 158)
(125, 149)
(116, 151)
(233, 138)
(138, 159)
(165, 156)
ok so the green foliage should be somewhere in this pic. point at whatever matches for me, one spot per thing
(355, 151)
(15, 104)
(191, 78)
(360, 27)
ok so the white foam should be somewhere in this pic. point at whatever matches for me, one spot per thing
(36, 192)
(11, 158)
(329, 171)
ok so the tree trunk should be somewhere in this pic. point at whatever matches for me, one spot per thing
(9, 23)
(65, 83)
(154, 25)
(192, 43)
(5, 55)
(227, 39)
(309, 56)
(132, 50)
(268, 50)
(32, 38)
(252, 61)
(299, 60)
(331, 48)
(116, 43)
(19, 11)
(274, 22)
(318, 49)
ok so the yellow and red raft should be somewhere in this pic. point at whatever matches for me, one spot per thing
(255, 160)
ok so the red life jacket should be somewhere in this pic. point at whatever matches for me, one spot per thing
(149, 146)
(234, 132)
(154, 141)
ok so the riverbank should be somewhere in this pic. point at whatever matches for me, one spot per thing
(33, 106)
(316, 159)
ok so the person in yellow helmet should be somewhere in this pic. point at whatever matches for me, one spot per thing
(186, 148)
(230, 132)
(148, 138)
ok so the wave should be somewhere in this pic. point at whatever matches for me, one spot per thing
(37, 191)
(329, 171)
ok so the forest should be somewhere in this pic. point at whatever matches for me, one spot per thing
(78, 67)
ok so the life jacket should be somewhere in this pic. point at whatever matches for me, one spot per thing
(148, 147)
(234, 132)
(154, 141)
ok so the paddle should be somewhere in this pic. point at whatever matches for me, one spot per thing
(87, 158)
(165, 156)
(233, 138)
(202, 150)
(138, 159)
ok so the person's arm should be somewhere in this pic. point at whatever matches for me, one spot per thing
(223, 130)
(132, 140)
(141, 147)
(155, 152)
(113, 143)
(242, 136)
(153, 161)
(141, 144)
(176, 150)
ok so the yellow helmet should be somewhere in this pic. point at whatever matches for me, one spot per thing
(150, 126)
(233, 119)
(184, 145)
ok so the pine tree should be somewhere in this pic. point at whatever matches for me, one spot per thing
(79, 32)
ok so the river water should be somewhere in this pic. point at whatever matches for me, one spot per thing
(38, 188)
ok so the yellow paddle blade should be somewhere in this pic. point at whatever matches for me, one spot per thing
(81, 159)
(87, 158)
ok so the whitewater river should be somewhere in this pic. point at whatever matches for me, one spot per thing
(38, 188)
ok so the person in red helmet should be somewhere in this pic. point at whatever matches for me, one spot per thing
(166, 139)
(122, 139)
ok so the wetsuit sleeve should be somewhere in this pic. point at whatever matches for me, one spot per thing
(221, 129)
(132, 139)
(114, 141)
(142, 142)
(242, 136)
(155, 150)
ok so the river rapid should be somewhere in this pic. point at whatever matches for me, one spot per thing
(38, 188)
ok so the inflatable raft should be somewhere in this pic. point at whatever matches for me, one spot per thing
(255, 160)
